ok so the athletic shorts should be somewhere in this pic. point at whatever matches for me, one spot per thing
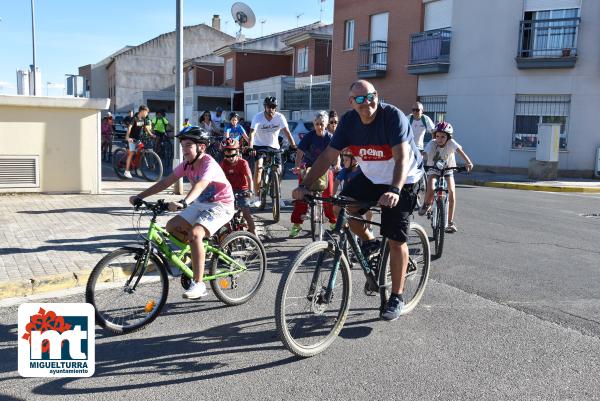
(394, 221)
(211, 216)
(259, 155)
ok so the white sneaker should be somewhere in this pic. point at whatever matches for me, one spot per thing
(256, 203)
(127, 174)
(196, 290)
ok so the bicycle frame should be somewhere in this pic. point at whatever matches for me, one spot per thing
(157, 237)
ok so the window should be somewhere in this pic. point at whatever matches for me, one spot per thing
(531, 110)
(550, 33)
(435, 108)
(229, 68)
(302, 59)
(349, 35)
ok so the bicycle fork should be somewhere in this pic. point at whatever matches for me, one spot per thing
(140, 267)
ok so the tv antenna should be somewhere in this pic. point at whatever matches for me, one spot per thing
(298, 19)
(243, 16)
(262, 23)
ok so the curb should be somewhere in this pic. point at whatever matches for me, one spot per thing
(36, 286)
(529, 187)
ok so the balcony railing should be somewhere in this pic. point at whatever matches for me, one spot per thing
(372, 59)
(548, 43)
(430, 52)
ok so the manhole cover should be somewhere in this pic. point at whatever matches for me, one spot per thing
(592, 215)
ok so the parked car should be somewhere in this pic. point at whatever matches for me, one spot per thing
(120, 128)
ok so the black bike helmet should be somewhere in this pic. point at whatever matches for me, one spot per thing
(270, 101)
(195, 134)
(234, 114)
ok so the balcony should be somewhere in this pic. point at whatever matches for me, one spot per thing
(430, 52)
(372, 59)
(548, 43)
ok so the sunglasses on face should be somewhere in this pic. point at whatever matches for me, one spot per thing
(269, 106)
(369, 97)
(416, 110)
(333, 122)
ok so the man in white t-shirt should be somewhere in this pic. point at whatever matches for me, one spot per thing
(420, 124)
(264, 136)
(219, 119)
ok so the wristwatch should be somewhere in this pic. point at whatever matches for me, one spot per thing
(394, 190)
(184, 203)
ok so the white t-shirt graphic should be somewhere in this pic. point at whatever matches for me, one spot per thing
(266, 132)
(435, 152)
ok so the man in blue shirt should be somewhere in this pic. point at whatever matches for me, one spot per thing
(381, 140)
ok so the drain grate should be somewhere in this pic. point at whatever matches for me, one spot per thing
(592, 215)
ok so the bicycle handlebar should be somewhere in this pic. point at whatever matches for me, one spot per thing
(157, 207)
(342, 202)
(459, 169)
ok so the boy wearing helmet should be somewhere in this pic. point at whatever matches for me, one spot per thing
(235, 130)
(443, 147)
(211, 193)
(239, 175)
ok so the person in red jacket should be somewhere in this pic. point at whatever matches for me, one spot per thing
(239, 175)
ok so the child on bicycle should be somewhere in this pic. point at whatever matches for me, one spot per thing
(211, 193)
(234, 130)
(443, 147)
(237, 170)
(310, 147)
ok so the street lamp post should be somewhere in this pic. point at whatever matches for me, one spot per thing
(178, 187)
(33, 44)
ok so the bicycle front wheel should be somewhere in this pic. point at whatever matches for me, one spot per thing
(125, 295)
(275, 196)
(421, 191)
(247, 250)
(310, 310)
(119, 162)
(417, 271)
(440, 226)
(151, 166)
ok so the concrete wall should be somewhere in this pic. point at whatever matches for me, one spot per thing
(63, 132)
(150, 66)
(397, 87)
(483, 81)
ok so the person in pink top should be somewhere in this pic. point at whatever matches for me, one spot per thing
(212, 197)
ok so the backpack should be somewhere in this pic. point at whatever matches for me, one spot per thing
(423, 121)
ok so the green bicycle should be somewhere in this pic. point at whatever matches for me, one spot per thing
(128, 287)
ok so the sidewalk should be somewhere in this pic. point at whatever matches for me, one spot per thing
(51, 242)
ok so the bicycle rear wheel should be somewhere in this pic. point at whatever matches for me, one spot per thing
(126, 296)
(119, 162)
(151, 166)
(246, 249)
(417, 271)
(275, 196)
(307, 320)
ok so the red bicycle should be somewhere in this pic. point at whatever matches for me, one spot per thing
(144, 163)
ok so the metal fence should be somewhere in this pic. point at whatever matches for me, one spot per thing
(548, 37)
(430, 46)
(372, 56)
(306, 93)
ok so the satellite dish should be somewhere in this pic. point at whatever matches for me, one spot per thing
(243, 16)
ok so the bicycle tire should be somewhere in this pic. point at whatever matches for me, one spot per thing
(107, 287)
(119, 161)
(275, 196)
(239, 245)
(264, 190)
(324, 318)
(421, 191)
(417, 272)
(440, 227)
(151, 166)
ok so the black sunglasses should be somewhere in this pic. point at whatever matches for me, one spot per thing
(369, 97)
(417, 110)
(228, 155)
(333, 122)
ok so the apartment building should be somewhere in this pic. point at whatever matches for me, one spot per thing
(496, 69)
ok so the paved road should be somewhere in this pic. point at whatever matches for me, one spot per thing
(511, 312)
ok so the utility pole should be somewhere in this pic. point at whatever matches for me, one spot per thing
(178, 187)
(33, 44)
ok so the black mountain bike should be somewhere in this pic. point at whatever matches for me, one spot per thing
(270, 182)
(313, 297)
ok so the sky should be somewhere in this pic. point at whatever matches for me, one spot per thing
(73, 33)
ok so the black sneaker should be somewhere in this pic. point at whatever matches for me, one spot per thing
(393, 309)
(370, 248)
